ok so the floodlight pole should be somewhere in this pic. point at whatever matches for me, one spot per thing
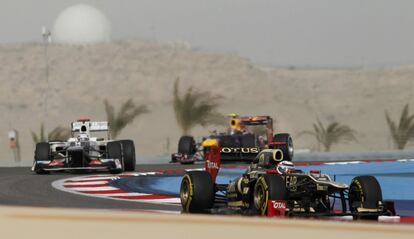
(46, 40)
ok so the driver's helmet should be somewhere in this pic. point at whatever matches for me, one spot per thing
(261, 140)
(285, 167)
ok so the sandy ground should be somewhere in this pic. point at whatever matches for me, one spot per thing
(47, 223)
(81, 77)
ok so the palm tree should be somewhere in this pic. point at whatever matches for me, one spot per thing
(195, 108)
(404, 132)
(58, 133)
(332, 134)
(126, 115)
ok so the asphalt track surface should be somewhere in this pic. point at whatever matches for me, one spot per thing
(21, 187)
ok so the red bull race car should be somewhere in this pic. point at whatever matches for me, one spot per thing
(272, 186)
(244, 139)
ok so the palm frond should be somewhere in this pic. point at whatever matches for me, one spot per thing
(195, 108)
(125, 116)
(57, 133)
(402, 133)
(334, 133)
(35, 138)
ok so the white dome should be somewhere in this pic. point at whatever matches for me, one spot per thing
(81, 24)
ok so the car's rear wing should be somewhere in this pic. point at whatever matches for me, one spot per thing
(256, 120)
(265, 120)
(93, 126)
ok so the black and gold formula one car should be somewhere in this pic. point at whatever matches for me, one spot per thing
(244, 139)
(272, 186)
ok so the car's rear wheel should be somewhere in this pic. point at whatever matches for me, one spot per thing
(285, 143)
(364, 193)
(268, 187)
(197, 192)
(42, 153)
(114, 151)
(128, 153)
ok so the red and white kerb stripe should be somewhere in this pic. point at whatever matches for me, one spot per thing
(98, 186)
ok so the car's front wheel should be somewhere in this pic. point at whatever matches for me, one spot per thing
(128, 153)
(42, 153)
(114, 151)
(268, 187)
(187, 145)
(364, 196)
(197, 192)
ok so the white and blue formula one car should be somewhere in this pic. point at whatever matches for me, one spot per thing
(82, 152)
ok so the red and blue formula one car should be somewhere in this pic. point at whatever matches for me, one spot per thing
(244, 139)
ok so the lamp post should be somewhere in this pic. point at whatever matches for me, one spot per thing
(47, 38)
(14, 144)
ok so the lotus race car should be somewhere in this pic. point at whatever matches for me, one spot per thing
(244, 139)
(272, 186)
(82, 152)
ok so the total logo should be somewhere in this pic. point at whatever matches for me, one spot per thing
(228, 150)
(212, 164)
(279, 204)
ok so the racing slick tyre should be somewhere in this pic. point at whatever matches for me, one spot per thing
(268, 187)
(42, 153)
(187, 146)
(284, 143)
(128, 153)
(364, 193)
(114, 151)
(197, 192)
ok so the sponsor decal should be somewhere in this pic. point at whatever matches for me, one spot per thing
(291, 182)
(279, 204)
(228, 150)
(276, 208)
(118, 163)
(213, 165)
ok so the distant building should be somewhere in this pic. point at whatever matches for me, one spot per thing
(81, 24)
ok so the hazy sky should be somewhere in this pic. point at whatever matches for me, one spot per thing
(271, 32)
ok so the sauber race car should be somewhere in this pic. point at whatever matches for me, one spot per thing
(82, 152)
(272, 186)
(244, 139)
